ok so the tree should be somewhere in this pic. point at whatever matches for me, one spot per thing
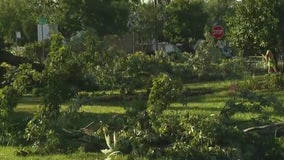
(280, 12)
(254, 26)
(147, 21)
(217, 9)
(106, 17)
(11, 59)
(15, 15)
(185, 20)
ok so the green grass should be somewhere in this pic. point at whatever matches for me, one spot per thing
(102, 109)
(200, 104)
(9, 153)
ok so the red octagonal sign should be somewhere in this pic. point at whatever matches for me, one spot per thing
(218, 32)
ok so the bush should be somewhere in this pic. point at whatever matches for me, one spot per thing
(233, 68)
(183, 137)
(248, 101)
(268, 82)
(36, 51)
(162, 92)
(138, 69)
(259, 144)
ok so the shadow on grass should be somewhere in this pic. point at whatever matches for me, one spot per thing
(78, 124)
(21, 117)
(30, 100)
(194, 108)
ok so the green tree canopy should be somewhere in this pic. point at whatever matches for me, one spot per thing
(217, 9)
(106, 17)
(147, 20)
(185, 20)
(254, 26)
(15, 15)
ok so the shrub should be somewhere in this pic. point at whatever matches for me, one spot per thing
(248, 101)
(183, 137)
(232, 68)
(36, 51)
(268, 82)
(138, 69)
(162, 92)
(9, 98)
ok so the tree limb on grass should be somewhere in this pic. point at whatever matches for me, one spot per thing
(14, 60)
(270, 127)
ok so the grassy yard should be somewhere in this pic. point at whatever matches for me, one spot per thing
(209, 102)
(9, 153)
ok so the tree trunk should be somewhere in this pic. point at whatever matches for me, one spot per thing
(11, 59)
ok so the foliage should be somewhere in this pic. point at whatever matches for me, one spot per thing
(192, 137)
(55, 85)
(248, 101)
(183, 137)
(264, 145)
(217, 9)
(15, 16)
(138, 69)
(162, 92)
(205, 60)
(280, 11)
(106, 17)
(9, 97)
(36, 51)
(147, 20)
(103, 61)
(233, 68)
(16, 84)
(253, 26)
(185, 19)
(39, 132)
(181, 67)
(55, 81)
(48, 9)
(267, 82)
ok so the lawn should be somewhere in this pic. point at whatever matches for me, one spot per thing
(209, 99)
(9, 153)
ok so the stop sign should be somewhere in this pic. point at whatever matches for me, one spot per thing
(218, 32)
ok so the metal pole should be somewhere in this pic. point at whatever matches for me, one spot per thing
(43, 56)
(133, 42)
(156, 27)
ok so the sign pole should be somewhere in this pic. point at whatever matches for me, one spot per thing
(42, 21)
(43, 54)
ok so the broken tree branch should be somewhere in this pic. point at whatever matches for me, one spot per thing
(269, 127)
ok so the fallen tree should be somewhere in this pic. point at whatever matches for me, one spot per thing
(14, 60)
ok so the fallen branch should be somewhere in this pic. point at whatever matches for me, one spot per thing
(270, 127)
(81, 131)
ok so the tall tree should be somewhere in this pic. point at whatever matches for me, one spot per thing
(254, 26)
(147, 20)
(15, 15)
(106, 17)
(217, 9)
(280, 13)
(185, 20)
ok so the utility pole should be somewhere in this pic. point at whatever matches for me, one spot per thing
(156, 26)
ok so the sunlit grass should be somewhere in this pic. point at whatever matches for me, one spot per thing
(103, 109)
(201, 104)
(27, 108)
(211, 84)
(9, 153)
